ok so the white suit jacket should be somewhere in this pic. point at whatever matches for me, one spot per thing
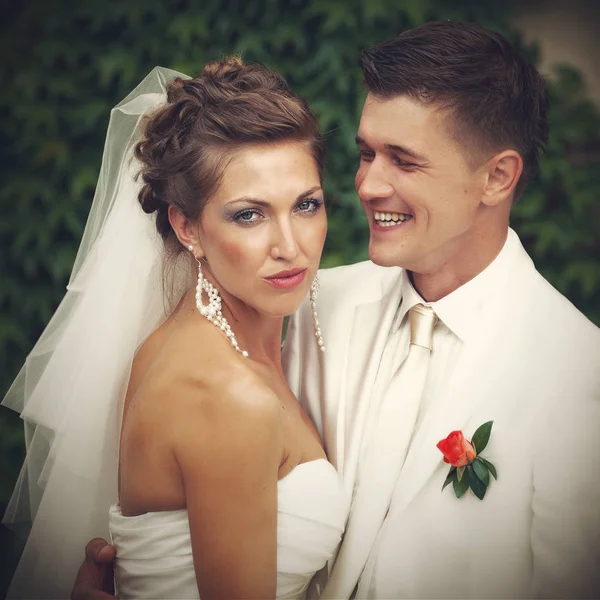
(534, 369)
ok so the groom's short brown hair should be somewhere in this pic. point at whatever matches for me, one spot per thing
(497, 97)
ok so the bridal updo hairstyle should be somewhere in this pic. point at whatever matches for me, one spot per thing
(187, 143)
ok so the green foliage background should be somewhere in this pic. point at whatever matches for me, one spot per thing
(66, 65)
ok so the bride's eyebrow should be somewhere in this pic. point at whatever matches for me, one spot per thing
(260, 202)
(309, 192)
(248, 200)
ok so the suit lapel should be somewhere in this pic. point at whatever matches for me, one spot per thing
(369, 332)
(370, 329)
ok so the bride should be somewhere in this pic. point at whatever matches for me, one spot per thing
(177, 427)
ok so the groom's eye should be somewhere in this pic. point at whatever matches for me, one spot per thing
(366, 155)
(403, 163)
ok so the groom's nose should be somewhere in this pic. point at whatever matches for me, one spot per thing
(372, 181)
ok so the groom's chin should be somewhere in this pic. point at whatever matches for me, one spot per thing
(383, 256)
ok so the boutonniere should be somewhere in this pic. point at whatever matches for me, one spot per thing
(467, 468)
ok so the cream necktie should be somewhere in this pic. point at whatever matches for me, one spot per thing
(388, 438)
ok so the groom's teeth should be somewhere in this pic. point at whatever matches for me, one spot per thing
(390, 219)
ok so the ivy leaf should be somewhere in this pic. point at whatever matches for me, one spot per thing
(482, 436)
(489, 465)
(481, 471)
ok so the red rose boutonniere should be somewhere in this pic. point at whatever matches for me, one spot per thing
(468, 468)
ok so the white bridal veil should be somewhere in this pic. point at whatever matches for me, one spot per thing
(70, 391)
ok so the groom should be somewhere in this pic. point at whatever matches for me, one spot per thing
(455, 328)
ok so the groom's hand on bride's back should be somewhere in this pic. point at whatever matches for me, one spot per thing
(95, 577)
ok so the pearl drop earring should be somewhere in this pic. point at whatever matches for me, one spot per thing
(212, 310)
(314, 290)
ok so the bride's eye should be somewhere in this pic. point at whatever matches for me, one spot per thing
(312, 205)
(247, 216)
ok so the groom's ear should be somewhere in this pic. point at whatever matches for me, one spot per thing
(503, 172)
(186, 231)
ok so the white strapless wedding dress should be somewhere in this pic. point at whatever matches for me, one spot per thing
(154, 553)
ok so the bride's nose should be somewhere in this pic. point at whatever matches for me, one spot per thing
(284, 245)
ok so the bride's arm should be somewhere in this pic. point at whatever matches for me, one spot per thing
(228, 446)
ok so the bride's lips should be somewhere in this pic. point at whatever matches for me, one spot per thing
(287, 279)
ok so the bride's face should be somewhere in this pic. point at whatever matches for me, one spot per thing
(262, 233)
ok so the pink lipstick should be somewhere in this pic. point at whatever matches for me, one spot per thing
(287, 279)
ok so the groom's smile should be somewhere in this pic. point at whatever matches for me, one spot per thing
(385, 220)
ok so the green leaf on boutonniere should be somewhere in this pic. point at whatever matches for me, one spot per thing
(490, 466)
(482, 436)
(450, 478)
(481, 470)
(460, 487)
(460, 471)
(478, 487)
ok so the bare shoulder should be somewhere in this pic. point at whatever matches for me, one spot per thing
(207, 372)
(226, 393)
(200, 390)
(194, 411)
(227, 423)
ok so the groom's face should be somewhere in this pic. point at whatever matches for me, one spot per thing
(421, 195)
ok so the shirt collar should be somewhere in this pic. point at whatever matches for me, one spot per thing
(409, 298)
(459, 309)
